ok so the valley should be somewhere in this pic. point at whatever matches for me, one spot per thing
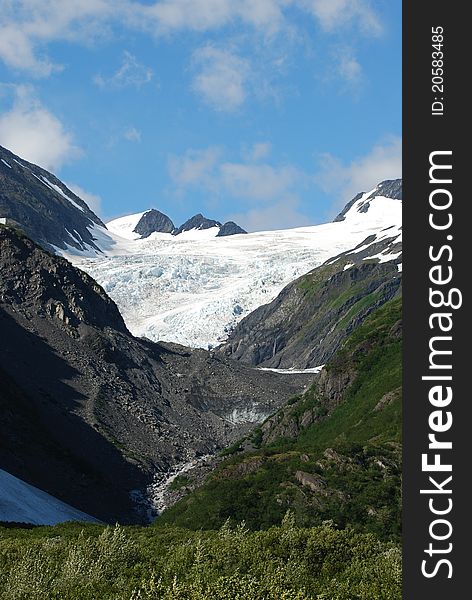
(208, 389)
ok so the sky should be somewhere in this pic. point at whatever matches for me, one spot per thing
(271, 113)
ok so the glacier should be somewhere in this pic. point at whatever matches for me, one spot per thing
(194, 288)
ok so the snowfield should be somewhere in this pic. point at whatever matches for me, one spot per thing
(23, 503)
(194, 288)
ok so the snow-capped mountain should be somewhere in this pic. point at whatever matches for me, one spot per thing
(193, 288)
(190, 284)
(54, 216)
(142, 225)
(24, 503)
(47, 210)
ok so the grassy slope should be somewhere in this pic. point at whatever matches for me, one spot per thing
(353, 453)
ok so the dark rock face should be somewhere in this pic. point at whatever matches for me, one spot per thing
(90, 413)
(28, 197)
(312, 316)
(390, 188)
(347, 208)
(230, 228)
(197, 222)
(154, 221)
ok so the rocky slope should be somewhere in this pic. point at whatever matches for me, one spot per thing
(313, 315)
(106, 412)
(47, 211)
(332, 453)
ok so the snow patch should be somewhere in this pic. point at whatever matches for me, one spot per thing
(57, 189)
(292, 371)
(24, 503)
(125, 226)
(5, 163)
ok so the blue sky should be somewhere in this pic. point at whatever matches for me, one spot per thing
(273, 113)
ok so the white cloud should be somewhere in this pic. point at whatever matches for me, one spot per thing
(268, 195)
(34, 133)
(28, 26)
(257, 181)
(336, 14)
(259, 151)
(241, 180)
(16, 50)
(281, 215)
(130, 74)
(93, 201)
(195, 167)
(132, 134)
(203, 15)
(344, 181)
(222, 78)
(348, 68)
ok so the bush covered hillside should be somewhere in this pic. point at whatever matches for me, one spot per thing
(70, 562)
(333, 453)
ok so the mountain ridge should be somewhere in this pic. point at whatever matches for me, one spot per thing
(44, 207)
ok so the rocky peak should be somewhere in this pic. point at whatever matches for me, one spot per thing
(154, 221)
(390, 188)
(347, 208)
(230, 228)
(197, 222)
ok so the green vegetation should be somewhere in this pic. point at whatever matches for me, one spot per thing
(312, 282)
(179, 482)
(77, 562)
(343, 463)
(360, 305)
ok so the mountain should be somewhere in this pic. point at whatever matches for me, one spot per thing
(194, 288)
(106, 412)
(60, 221)
(141, 225)
(331, 454)
(310, 318)
(46, 209)
(197, 222)
(390, 188)
(201, 223)
(153, 221)
(230, 228)
(23, 503)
